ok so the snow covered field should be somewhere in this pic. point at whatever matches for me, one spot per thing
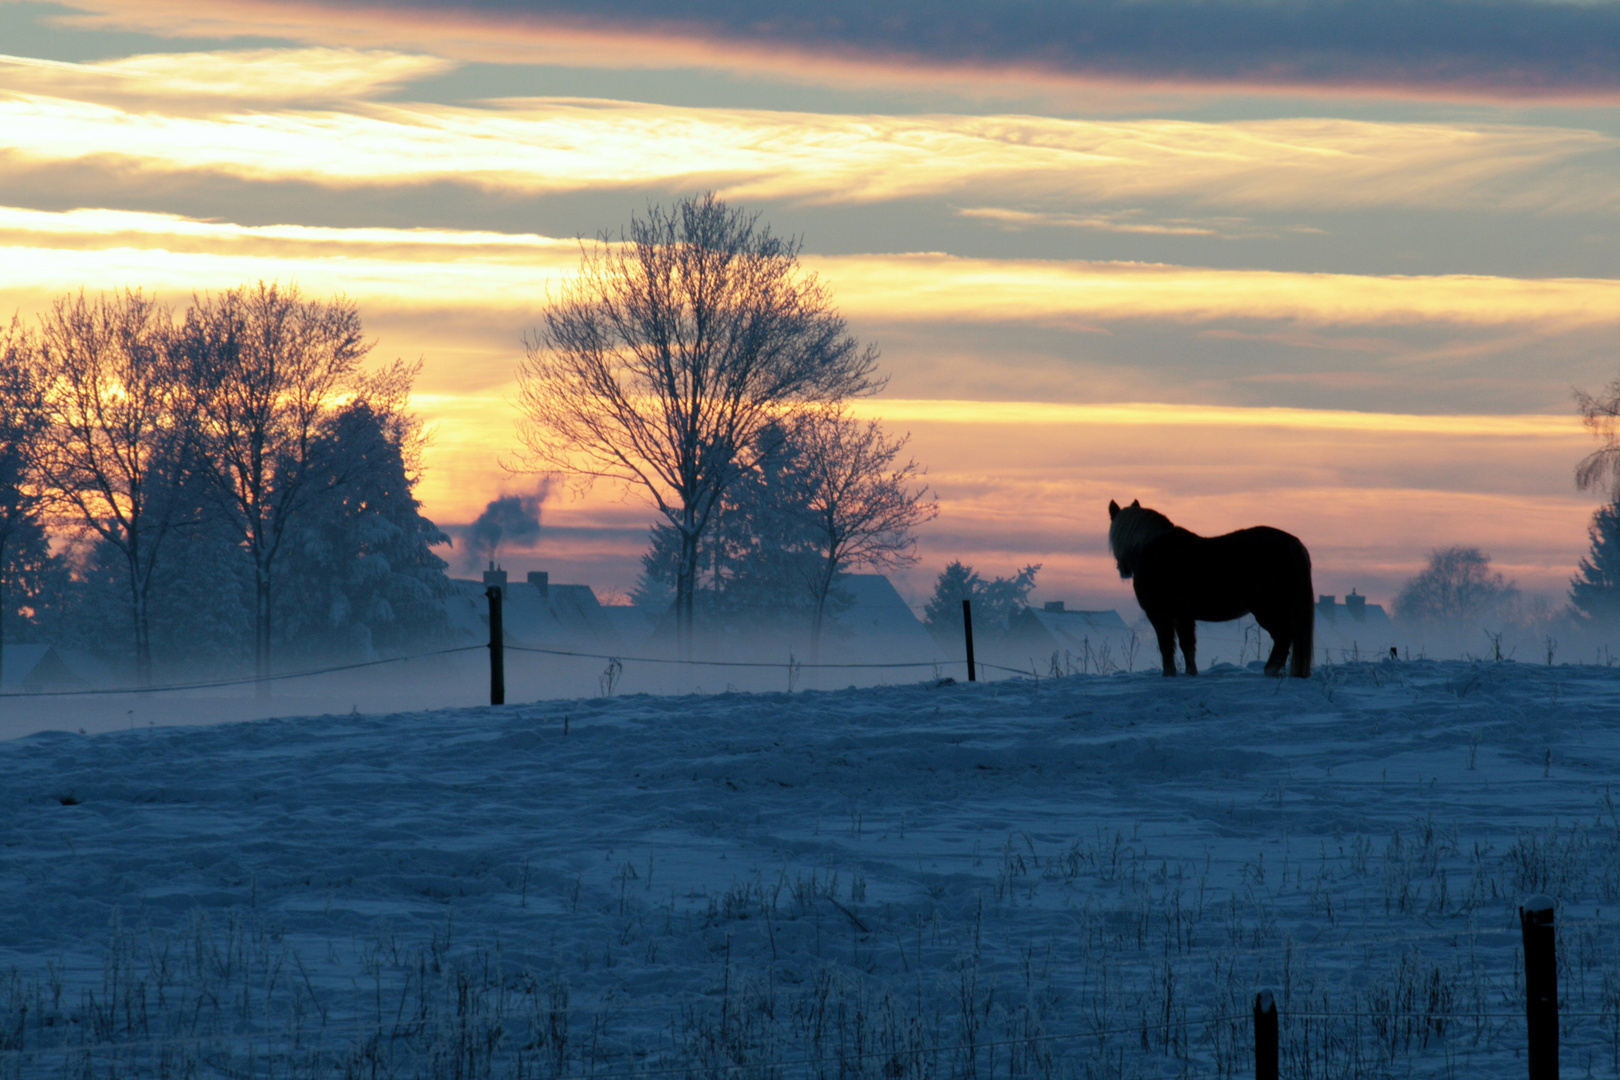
(1086, 876)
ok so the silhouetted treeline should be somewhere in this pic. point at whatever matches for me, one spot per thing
(210, 487)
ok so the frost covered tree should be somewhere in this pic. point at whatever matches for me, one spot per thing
(662, 362)
(994, 602)
(1457, 584)
(1595, 588)
(199, 606)
(270, 368)
(360, 574)
(23, 421)
(121, 433)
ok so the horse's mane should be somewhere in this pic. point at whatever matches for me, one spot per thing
(1134, 528)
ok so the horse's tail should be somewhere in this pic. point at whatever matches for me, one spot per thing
(1302, 614)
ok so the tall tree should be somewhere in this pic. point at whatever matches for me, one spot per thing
(270, 367)
(1595, 588)
(121, 433)
(360, 571)
(23, 421)
(859, 501)
(662, 362)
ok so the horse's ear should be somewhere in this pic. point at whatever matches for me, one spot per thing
(1136, 504)
(1113, 509)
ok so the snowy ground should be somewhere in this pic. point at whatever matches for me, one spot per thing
(1086, 876)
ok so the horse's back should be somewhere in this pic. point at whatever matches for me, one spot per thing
(1223, 577)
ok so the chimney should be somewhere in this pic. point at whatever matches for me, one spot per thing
(1356, 606)
(1324, 608)
(541, 580)
(1053, 605)
(495, 577)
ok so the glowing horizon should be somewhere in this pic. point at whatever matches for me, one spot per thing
(1352, 304)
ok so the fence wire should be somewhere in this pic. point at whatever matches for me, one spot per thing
(248, 681)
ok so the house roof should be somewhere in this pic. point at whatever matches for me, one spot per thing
(563, 616)
(1065, 629)
(35, 667)
(879, 609)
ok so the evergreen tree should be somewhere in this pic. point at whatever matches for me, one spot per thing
(361, 576)
(35, 581)
(23, 422)
(1595, 589)
(757, 560)
(994, 602)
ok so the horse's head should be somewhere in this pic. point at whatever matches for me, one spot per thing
(1130, 529)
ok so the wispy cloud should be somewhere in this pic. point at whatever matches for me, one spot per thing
(1133, 220)
(1192, 415)
(950, 289)
(442, 268)
(554, 145)
(192, 80)
(1458, 49)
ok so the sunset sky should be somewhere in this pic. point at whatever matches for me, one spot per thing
(1334, 267)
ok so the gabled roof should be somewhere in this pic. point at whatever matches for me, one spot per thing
(35, 667)
(1072, 630)
(563, 616)
(878, 608)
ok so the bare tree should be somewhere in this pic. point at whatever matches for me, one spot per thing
(663, 361)
(1457, 584)
(269, 367)
(23, 422)
(859, 501)
(121, 432)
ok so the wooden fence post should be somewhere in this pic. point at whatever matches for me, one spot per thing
(497, 651)
(1265, 1036)
(967, 633)
(1540, 986)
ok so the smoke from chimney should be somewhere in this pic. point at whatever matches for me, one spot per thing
(509, 519)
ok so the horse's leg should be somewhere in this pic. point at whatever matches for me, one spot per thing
(1279, 653)
(1185, 630)
(1165, 629)
(1281, 638)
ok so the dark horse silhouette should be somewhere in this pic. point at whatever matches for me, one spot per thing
(1180, 576)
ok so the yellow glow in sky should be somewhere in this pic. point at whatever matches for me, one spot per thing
(554, 145)
(437, 268)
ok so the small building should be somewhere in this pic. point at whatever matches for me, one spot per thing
(878, 618)
(535, 613)
(1054, 627)
(30, 669)
(1352, 613)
